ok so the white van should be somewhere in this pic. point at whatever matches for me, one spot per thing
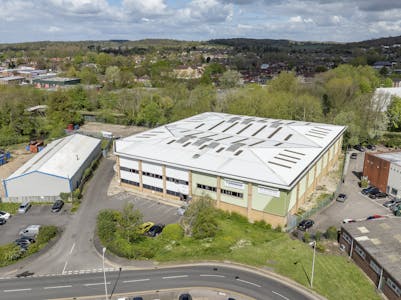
(30, 231)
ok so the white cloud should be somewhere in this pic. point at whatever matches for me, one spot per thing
(145, 7)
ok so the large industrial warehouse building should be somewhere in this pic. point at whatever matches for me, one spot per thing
(261, 168)
(57, 168)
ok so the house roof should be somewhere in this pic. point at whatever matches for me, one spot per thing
(381, 238)
(62, 157)
(265, 151)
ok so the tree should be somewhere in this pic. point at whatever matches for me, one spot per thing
(129, 221)
(394, 114)
(113, 76)
(230, 79)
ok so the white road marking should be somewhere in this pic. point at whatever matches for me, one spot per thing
(65, 266)
(136, 280)
(248, 282)
(172, 277)
(98, 283)
(57, 287)
(211, 275)
(72, 248)
(278, 294)
(19, 290)
(69, 254)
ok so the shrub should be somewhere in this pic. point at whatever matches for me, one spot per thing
(172, 232)
(318, 236)
(262, 224)
(331, 233)
(65, 196)
(278, 228)
(106, 225)
(320, 247)
(46, 233)
(306, 237)
(364, 182)
(205, 225)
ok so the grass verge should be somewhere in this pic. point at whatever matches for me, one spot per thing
(257, 245)
(11, 208)
(11, 253)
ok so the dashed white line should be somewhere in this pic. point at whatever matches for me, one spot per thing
(98, 283)
(248, 282)
(18, 290)
(172, 277)
(136, 280)
(211, 275)
(278, 294)
(57, 287)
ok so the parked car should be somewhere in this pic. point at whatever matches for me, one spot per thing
(372, 194)
(374, 217)
(181, 210)
(3, 221)
(305, 224)
(360, 148)
(368, 190)
(23, 208)
(345, 221)
(395, 207)
(155, 230)
(143, 228)
(185, 296)
(4, 215)
(379, 195)
(57, 206)
(391, 202)
(341, 197)
(371, 147)
(30, 231)
(354, 155)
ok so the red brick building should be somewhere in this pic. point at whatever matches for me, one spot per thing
(375, 246)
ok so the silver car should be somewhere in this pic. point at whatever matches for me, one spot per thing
(23, 208)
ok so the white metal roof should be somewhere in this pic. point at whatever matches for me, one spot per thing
(62, 157)
(393, 157)
(265, 151)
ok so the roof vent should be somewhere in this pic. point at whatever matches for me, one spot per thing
(196, 156)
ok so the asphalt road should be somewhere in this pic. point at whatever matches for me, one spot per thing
(67, 286)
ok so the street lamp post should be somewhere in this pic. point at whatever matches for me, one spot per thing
(313, 264)
(104, 275)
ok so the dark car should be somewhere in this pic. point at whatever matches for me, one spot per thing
(2, 221)
(155, 230)
(354, 155)
(378, 195)
(371, 147)
(24, 241)
(341, 197)
(57, 205)
(391, 202)
(305, 224)
(373, 193)
(368, 190)
(185, 297)
(359, 148)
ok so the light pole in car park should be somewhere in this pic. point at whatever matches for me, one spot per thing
(104, 275)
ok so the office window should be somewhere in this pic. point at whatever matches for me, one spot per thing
(347, 238)
(206, 187)
(360, 252)
(394, 287)
(129, 170)
(153, 188)
(375, 267)
(152, 175)
(178, 181)
(231, 193)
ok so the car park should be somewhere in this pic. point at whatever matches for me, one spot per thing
(57, 206)
(4, 215)
(379, 195)
(368, 190)
(341, 197)
(155, 230)
(3, 221)
(23, 208)
(143, 228)
(305, 224)
(391, 202)
(354, 155)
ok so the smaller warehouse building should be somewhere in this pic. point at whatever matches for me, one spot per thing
(55, 82)
(57, 168)
(384, 171)
(375, 246)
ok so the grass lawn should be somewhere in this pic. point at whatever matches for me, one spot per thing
(335, 276)
(11, 208)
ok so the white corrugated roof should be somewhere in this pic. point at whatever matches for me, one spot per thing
(62, 157)
(393, 157)
(265, 151)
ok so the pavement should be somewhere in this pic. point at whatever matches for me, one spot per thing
(357, 206)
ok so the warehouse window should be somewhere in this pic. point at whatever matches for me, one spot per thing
(129, 182)
(173, 193)
(153, 188)
(375, 267)
(152, 175)
(231, 193)
(206, 187)
(347, 237)
(178, 181)
(394, 191)
(129, 170)
(394, 287)
(360, 252)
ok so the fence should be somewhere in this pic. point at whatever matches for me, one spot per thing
(30, 198)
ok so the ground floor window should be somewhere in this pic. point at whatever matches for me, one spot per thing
(360, 251)
(153, 188)
(394, 191)
(394, 287)
(375, 267)
(347, 237)
(130, 182)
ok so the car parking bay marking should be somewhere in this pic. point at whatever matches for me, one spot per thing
(248, 282)
(136, 280)
(57, 287)
(172, 277)
(18, 290)
(278, 294)
(211, 275)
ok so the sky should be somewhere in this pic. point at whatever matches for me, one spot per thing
(300, 20)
